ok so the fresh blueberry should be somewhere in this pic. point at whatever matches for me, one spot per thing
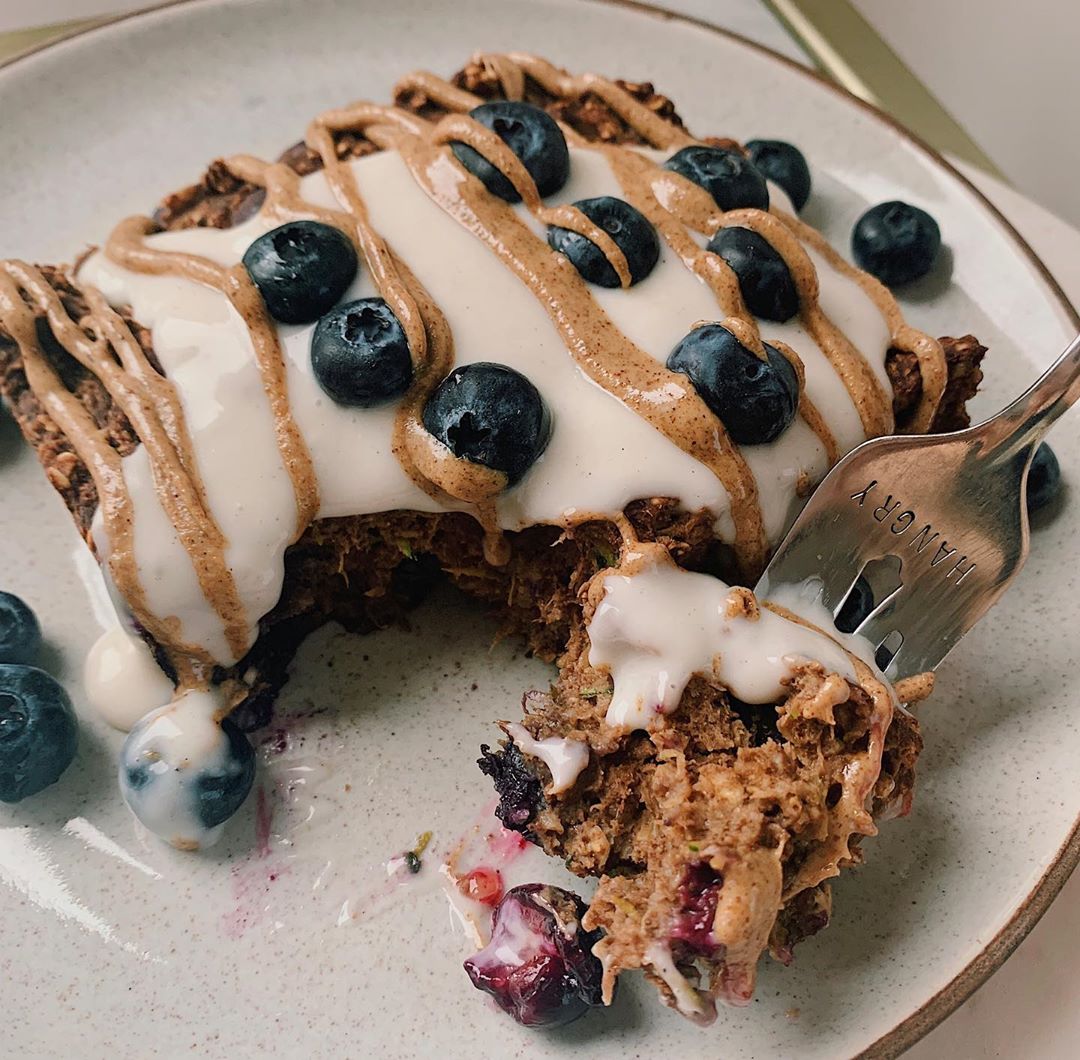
(491, 415)
(539, 966)
(764, 278)
(183, 773)
(20, 634)
(38, 731)
(856, 606)
(896, 242)
(360, 355)
(532, 135)
(784, 164)
(1044, 478)
(756, 401)
(631, 232)
(728, 176)
(301, 269)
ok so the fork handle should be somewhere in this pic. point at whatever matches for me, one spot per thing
(1023, 424)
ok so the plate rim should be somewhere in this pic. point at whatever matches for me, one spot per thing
(1042, 894)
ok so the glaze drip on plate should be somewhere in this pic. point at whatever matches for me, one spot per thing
(241, 449)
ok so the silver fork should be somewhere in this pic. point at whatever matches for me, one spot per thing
(945, 512)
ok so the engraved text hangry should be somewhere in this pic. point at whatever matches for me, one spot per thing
(900, 520)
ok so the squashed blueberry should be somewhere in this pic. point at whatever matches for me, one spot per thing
(20, 633)
(783, 164)
(729, 177)
(301, 269)
(764, 278)
(491, 415)
(755, 400)
(531, 133)
(360, 355)
(629, 230)
(539, 965)
(896, 242)
(38, 731)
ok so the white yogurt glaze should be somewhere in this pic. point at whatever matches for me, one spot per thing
(658, 626)
(122, 680)
(601, 456)
(565, 758)
(176, 744)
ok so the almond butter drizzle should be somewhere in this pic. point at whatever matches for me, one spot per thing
(665, 399)
(127, 247)
(102, 461)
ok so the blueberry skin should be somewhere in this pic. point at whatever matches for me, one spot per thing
(20, 633)
(1044, 479)
(729, 177)
(755, 401)
(629, 229)
(360, 355)
(220, 792)
(531, 133)
(764, 278)
(38, 731)
(896, 242)
(491, 415)
(784, 164)
(301, 269)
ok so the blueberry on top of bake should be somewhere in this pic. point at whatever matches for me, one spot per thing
(301, 269)
(490, 415)
(360, 355)
(728, 176)
(532, 135)
(629, 229)
(755, 399)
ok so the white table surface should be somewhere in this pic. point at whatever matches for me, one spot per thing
(1028, 1009)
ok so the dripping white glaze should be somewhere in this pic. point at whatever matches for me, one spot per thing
(122, 680)
(602, 455)
(178, 742)
(658, 626)
(688, 999)
(565, 758)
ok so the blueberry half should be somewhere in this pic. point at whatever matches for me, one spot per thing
(20, 633)
(38, 731)
(728, 176)
(783, 164)
(765, 280)
(629, 230)
(360, 355)
(491, 415)
(1044, 478)
(532, 134)
(301, 269)
(896, 242)
(754, 399)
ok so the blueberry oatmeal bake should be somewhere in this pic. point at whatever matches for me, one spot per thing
(523, 330)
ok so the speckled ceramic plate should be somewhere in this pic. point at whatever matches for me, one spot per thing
(288, 937)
